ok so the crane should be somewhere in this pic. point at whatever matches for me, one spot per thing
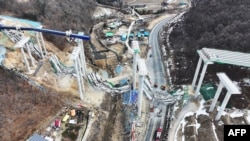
(55, 32)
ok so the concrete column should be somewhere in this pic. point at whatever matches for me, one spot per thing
(82, 55)
(134, 69)
(39, 45)
(81, 78)
(196, 73)
(82, 62)
(78, 79)
(42, 43)
(223, 105)
(53, 59)
(130, 93)
(140, 91)
(79, 62)
(216, 97)
(25, 60)
(201, 79)
(30, 56)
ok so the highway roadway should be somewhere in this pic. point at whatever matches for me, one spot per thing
(154, 123)
(157, 75)
(155, 67)
(158, 121)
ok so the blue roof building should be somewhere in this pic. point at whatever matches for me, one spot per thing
(118, 69)
(139, 34)
(123, 82)
(130, 97)
(146, 33)
(123, 37)
(36, 137)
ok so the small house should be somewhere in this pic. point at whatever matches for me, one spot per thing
(65, 118)
(73, 112)
(72, 121)
(57, 123)
(146, 33)
(36, 137)
(131, 35)
(49, 138)
(123, 37)
(139, 35)
(109, 34)
(142, 30)
(114, 25)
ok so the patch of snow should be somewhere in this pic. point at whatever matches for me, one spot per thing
(236, 113)
(198, 125)
(237, 85)
(188, 114)
(168, 72)
(248, 117)
(215, 135)
(176, 107)
(182, 130)
(201, 110)
(24, 1)
(223, 112)
(183, 123)
(208, 88)
(179, 92)
(220, 123)
(169, 1)
(247, 81)
(191, 125)
(101, 12)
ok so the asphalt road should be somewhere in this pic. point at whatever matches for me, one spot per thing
(154, 61)
(154, 123)
(150, 128)
(156, 73)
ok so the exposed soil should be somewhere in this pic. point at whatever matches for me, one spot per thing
(108, 123)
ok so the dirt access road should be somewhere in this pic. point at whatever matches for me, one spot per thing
(191, 107)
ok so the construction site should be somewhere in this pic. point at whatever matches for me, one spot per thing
(43, 67)
(123, 93)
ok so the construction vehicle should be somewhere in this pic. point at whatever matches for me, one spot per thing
(158, 134)
(159, 114)
(163, 87)
(151, 107)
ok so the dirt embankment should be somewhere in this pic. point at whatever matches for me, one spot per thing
(108, 124)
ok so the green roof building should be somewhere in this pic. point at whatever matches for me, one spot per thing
(109, 34)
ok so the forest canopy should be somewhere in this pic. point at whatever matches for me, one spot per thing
(220, 24)
(57, 15)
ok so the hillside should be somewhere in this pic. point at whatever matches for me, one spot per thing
(57, 14)
(23, 105)
(220, 24)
